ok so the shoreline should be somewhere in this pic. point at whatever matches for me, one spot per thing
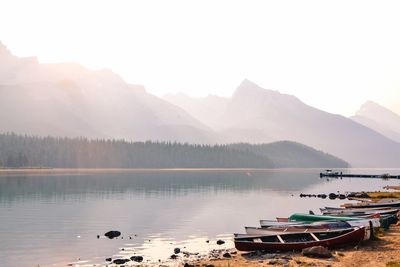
(101, 169)
(383, 252)
(46, 170)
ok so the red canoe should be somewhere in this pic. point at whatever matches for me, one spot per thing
(299, 241)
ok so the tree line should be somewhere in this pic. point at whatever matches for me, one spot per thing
(18, 151)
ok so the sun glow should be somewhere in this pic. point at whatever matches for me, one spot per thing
(332, 55)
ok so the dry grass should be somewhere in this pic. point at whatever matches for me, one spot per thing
(393, 264)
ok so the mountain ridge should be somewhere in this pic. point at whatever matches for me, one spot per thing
(69, 99)
(379, 118)
(256, 115)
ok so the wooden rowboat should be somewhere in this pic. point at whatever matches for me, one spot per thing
(375, 223)
(273, 223)
(302, 228)
(308, 218)
(302, 225)
(359, 212)
(331, 209)
(299, 241)
(315, 218)
(378, 204)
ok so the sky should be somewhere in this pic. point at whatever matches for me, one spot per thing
(333, 55)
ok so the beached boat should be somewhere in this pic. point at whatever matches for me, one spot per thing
(332, 209)
(315, 218)
(302, 225)
(272, 223)
(383, 221)
(300, 228)
(375, 204)
(299, 241)
(308, 218)
(359, 212)
(355, 223)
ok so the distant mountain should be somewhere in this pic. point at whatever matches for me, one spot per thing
(207, 110)
(379, 118)
(70, 100)
(258, 115)
(24, 151)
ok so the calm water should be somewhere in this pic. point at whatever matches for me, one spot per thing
(53, 220)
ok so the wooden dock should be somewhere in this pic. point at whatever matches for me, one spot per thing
(351, 175)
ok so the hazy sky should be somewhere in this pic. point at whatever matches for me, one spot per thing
(331, 54)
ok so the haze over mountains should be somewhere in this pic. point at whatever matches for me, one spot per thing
(257, 115)
(380, 119)
(70, 100)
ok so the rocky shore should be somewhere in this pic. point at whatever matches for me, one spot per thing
(383, 252)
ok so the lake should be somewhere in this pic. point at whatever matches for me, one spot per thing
(53, 219)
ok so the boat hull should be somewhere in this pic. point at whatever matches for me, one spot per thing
(353, 237)
(353, 212)
(290, 229)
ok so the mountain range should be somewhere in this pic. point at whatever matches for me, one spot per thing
(70, 100)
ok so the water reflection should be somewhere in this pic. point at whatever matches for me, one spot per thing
(52, 220)
(149, 183)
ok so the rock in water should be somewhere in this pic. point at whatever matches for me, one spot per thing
(317, 252)
(120, 261)
(177, 250)
(220, 242)
(137, 258)
(332, 196)
(112, 234)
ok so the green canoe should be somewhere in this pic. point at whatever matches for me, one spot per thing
(302, 217)
(385, 221)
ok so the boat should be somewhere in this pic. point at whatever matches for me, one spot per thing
(308, 218)
(368, 223)
(271, 223)
(377, 204)
(300, 228)
(329, 209)
(329, 173)
(303, 225)
(315, 218)
(359, 212)
(383, 221)
(299, 241)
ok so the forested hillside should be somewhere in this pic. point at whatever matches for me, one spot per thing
(30, 151)
(287, 154)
